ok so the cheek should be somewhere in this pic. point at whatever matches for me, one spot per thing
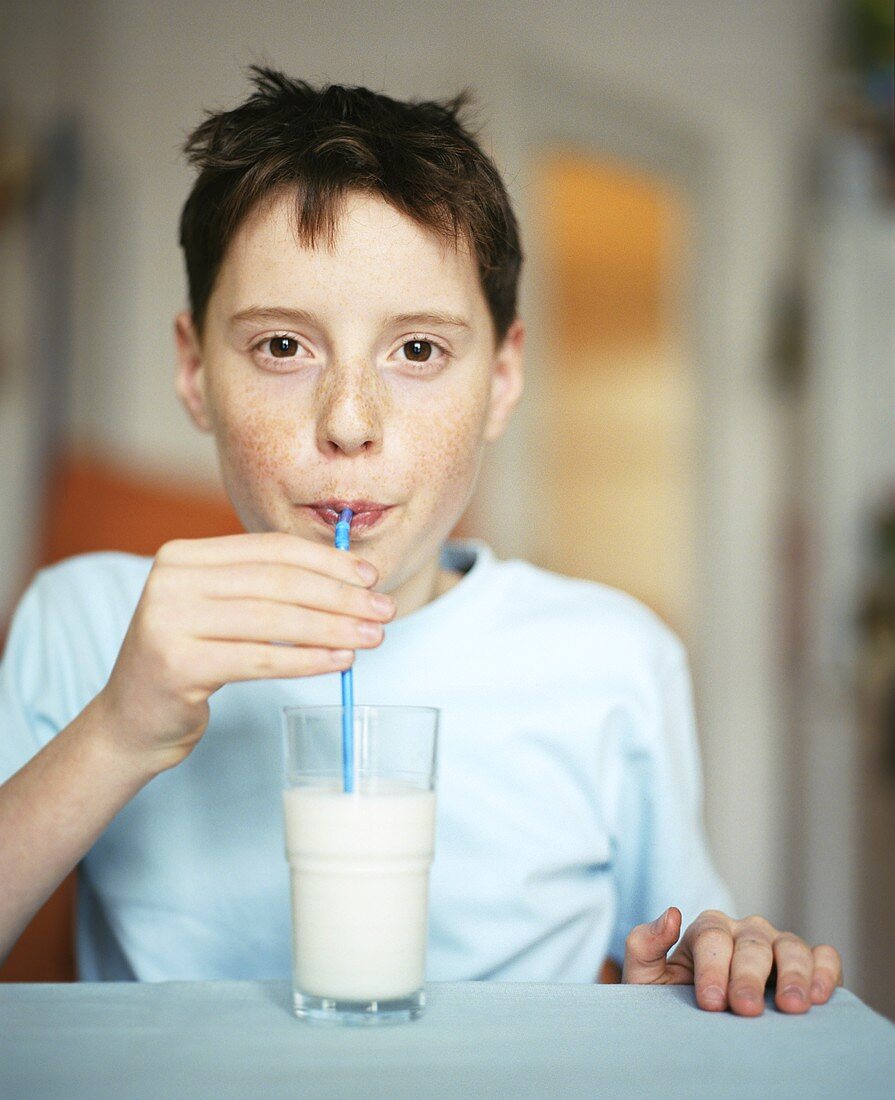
(446, 445)
(256, 441)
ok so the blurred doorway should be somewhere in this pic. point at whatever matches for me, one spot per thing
(710, 564)
(619, 389)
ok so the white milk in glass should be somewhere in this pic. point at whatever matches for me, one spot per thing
(359, 866)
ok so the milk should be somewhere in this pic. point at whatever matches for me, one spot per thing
(360, 868)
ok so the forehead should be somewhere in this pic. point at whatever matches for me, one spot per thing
(380, 261)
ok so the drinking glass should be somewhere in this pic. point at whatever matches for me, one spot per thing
(359, 862)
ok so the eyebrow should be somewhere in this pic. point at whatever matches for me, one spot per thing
(304, 316)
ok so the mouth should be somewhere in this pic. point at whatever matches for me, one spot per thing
(367, 513)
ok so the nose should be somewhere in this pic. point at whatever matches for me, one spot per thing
(351, 404)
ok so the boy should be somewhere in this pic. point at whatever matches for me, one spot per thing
(353, 341)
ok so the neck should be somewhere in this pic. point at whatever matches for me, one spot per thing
(425, 585)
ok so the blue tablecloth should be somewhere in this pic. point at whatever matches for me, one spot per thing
(480, 1039)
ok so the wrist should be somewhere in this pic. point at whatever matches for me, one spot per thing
(100, 728)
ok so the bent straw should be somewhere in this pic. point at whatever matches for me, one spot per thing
(343, 542)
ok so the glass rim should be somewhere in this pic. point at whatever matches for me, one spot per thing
(331, 708)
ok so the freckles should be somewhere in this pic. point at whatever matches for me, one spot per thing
(259, 445)
(446, 447)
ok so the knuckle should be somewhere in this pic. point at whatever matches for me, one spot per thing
(712, 921)
(792, 979)
(786, 979)
(758, 925)
(336, 631)
(263, 664)
(300, 623)
(170, 552)
(788, 939)
(163, 581)
(348, 598)
(753, 945)
(828, 960)
(155, 583)
(714, 940)
(713, 914)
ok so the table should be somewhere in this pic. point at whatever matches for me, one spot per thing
(478, 1039)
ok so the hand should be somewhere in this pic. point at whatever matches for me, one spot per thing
(731, 961)
(212, 611)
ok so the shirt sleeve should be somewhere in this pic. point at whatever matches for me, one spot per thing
(662, 856)
(54, 662)
(23, 731)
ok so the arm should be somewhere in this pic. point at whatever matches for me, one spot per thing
(54, 808)
(729, 961)
(662, 854)
(213, 611)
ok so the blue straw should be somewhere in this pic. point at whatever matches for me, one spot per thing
(343, 542)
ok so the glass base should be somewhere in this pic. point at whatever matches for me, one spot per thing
(326, 1010)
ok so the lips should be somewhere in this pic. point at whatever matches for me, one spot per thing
(367, 513)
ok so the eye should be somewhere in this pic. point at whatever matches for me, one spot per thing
(282, 347)
(424, 353)
(418, 351)
(282, 351)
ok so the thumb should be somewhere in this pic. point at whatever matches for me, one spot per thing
(647, 945)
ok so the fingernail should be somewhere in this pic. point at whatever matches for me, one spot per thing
(368, 573)
(385, 605)
(796, 992)
(817, 988)
(714, 995)
(370, 632)
(749, 996)
(342, 657)
(659, 923)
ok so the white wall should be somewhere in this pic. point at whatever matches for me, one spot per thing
(849, 414)
(33, 88)
(740, 78)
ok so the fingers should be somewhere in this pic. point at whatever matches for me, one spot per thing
(291, 585)
(646, 948)
(247, 600)
(750, 966)
(269, 621)
(795, 968)
(730, 961)
(712, 951)
(229, 662)
(271, 547)
(212, 611)
(827, 973)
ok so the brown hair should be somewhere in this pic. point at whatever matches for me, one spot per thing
(325, 142)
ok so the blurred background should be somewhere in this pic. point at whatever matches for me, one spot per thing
(707, 196)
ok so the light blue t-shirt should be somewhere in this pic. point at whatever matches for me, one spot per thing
(569, 784)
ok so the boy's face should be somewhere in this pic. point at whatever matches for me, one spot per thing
(328, 378)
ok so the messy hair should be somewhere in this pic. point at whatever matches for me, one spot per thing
(320, 144)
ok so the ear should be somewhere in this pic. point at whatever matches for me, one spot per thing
(190, 379)
(506, 381)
